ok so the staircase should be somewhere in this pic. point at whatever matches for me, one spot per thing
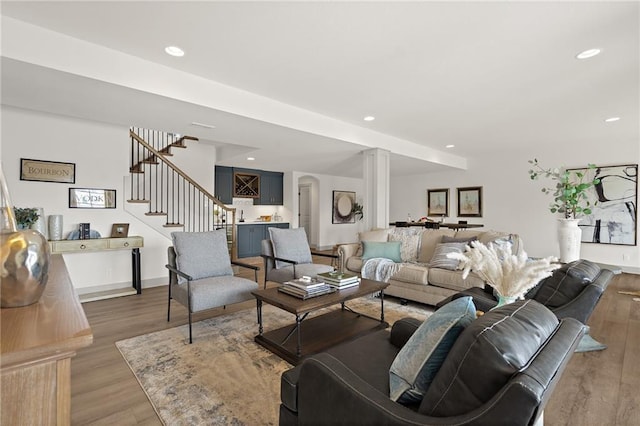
(169, 193)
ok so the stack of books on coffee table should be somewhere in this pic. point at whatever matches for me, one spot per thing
(339, 280)
(306, 287)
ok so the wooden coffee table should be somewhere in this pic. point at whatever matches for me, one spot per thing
(315, 334)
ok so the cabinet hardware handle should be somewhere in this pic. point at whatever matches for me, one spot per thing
(126, 244)
(82, 246)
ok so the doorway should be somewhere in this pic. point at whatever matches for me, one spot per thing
(304, 209)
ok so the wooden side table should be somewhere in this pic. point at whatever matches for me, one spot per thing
(37, 344)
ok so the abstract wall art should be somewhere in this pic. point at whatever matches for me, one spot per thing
(613, 218)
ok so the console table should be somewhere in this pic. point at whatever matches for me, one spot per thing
(101, 244)
(37, 344)
(454, 226)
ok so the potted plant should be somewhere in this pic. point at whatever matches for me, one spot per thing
(570, 192)
(570, 197)
(25, 217)
(356, 211)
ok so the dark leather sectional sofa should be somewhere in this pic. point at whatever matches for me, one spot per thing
(501, 370)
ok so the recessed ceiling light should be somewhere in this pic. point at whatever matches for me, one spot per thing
(206, 126)
(369, 118)
(450, 146)
(174, 51)
(590, 53)
(612, 119)
(250, 158)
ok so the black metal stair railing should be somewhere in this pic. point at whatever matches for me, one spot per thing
(169, 191)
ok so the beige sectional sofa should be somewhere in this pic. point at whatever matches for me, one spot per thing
(417, 279)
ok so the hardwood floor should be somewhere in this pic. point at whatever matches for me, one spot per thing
(597, 388)
(601, 388)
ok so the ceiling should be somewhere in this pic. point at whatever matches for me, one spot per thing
(487, 77)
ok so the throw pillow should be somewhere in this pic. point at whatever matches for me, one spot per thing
(417, 363)
(409, 245)
(379, 235)
(440, 259)
(290, 244)
(389, 250)
(503, 243)
(446, 239)
(202, 254)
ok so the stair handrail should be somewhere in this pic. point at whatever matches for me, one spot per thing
(186, 177)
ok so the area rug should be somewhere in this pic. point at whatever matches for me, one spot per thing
(224, 377)
(589, 344)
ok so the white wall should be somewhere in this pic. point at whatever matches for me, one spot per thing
(514, 203)
(101, 154)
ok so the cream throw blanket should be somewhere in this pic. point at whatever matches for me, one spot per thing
(379, 269)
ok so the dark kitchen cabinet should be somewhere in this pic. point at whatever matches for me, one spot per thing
(271, 189)
(224, 184)
(250, 236)
(266, 188)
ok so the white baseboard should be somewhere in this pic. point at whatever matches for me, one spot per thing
(631, 269)
(107, 291)
(108, 294)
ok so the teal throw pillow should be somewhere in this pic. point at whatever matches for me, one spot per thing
(417, 363)
(388, 250)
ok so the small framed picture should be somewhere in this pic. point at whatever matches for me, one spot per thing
(438, 202)
(342, 211)
(120, 230)
(470, 202)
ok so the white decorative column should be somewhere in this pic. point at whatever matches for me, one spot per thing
(376, 178)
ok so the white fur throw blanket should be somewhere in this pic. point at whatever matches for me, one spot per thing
(379, 269)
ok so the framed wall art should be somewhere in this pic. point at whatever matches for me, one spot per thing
(120, 230)
(614, 214)
(343, 202)
(438, 202)
(89, 198)
(47, 171)
(470, 201)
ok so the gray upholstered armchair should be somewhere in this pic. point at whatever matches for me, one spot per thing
(200, 273)
(287, 256)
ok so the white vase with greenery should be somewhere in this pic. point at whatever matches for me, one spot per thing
(570, 198)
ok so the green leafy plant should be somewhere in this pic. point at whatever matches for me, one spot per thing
(570, 192)
(356, 211)
(26, 217)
